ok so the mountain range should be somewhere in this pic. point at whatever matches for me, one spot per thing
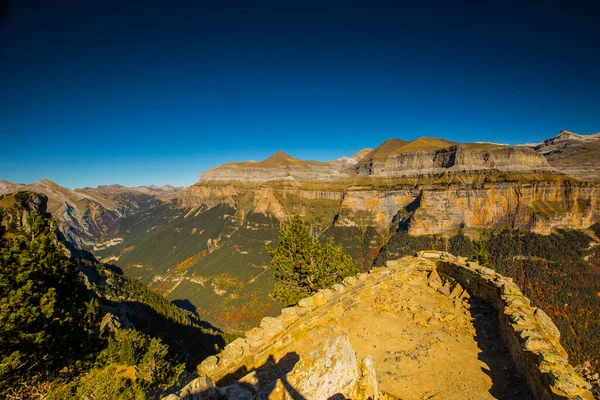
(204, 246)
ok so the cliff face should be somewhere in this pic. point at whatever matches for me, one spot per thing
(428, 186)
(425, 209)
(282, 167)
(456, 158)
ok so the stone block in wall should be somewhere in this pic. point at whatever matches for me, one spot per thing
(271, 327)
(568, 382)
(510, 288)
(233, 352)
(350, 281)
(338, 287)
(552, 357)
(201, 388)
(207, 366)
(319, 299)
(306, 302)
(535, 344)
(469, 279)
(486, 271)
(288, 316)
(516, 301)
(546, 322)
(328, 293)
(255, 335)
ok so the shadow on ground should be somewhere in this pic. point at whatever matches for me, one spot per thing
(507, 383)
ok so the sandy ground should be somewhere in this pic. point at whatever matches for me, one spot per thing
(427, 345)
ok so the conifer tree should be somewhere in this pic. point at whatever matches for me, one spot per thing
(303, 266)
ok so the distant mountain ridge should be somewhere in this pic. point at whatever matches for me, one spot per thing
(575, 155)
(84, 214)
(424, 157)
(209, 245)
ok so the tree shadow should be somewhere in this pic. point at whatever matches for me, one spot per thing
(192, 342)
(507, 383)
(187, 305)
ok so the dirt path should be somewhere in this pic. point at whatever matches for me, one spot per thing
(427, 345)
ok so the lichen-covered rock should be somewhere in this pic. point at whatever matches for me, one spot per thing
(546, 322)
(271, 326)
(367, 383)
(330, 369)
(201, 388)
(306, 302)
(207, 366)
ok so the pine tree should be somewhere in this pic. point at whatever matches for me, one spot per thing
(302, 266)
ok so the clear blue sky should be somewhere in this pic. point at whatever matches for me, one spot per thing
(154, 92)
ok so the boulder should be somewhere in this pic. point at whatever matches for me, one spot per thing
(330, 369)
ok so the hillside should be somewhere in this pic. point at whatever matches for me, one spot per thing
(69, 322)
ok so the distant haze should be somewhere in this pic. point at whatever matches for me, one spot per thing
(151, 92)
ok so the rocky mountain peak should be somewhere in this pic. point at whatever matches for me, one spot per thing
(567, 135)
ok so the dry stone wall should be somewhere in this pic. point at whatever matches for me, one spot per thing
(530, 335)
(528, 332)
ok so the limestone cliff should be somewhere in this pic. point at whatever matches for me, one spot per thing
(428, 186)
(422, 209)
(419, 160)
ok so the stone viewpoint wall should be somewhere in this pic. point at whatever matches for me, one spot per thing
(530, 335)
(528, 332)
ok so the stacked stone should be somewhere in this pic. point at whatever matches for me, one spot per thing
(529, 333)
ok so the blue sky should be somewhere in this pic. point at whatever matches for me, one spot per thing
(155, 92)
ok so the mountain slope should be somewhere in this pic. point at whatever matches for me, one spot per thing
(60, 305)
(84, 214)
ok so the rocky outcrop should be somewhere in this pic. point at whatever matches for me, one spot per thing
(462, 158)
(573, 154)
(330, 369)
